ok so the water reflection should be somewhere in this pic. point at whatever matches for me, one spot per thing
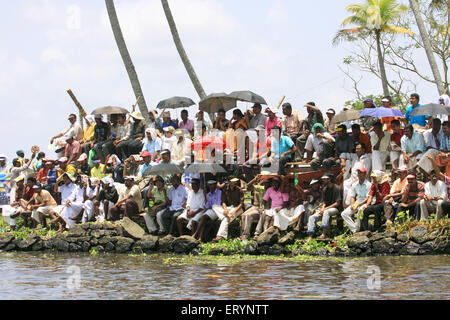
(44, 276)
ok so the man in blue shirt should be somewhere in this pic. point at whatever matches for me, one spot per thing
(167, 121)
(418, 120)
(282, 149)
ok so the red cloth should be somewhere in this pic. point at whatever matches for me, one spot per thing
(383, 189)
(396, 137)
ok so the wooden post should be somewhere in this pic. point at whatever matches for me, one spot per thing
(81, 111)
(281, 101)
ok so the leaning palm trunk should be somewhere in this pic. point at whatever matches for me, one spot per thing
(126, 58)
(427, 45)
(384, 81)
(187, 63)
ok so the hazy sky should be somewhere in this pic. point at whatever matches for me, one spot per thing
(272, 47)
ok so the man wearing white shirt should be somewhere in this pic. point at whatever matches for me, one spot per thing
(195, 207)
(432, 139)
(177, 203)
(181, 149)
(359, 193)
(320, 142)
(380, 141)
(356, 161)
(413, 147)
(435, 195)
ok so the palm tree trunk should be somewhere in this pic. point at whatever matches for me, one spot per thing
(126, 58)
(384, 81)
(176, 38)
(427, 46)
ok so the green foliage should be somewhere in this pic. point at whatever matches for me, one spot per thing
(224, 245)
(93, 251)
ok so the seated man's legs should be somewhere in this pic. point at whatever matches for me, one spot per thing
(347, 215)
(300, 144)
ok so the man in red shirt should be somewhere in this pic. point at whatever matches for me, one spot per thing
(380, 188)
(73, 149)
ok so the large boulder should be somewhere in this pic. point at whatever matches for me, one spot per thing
(411, 248)
(251, 248)
(123, 244)
(27, 242)
(166, 243)
(390, 234)
(403, 237)
(77, 231)
(97, 233)
(384, 246)
(132, 229)
(38, 246)
(147, 243)
(109, 247)
(184, 244)
(359, 241)
(104, 240)
(419, 234)
(276, 250)
(5, 239)
(376, 236)
(268, 237)
(60, 245)
(289, 238)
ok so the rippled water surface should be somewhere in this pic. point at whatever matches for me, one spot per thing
(51, 276)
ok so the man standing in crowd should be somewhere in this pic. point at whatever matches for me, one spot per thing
(314, 116)
(380, 141)
(418, 122)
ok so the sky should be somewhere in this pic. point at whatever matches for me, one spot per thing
(271, 47)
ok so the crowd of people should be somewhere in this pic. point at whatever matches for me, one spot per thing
(104, 172)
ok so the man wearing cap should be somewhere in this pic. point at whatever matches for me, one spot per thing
(392, 200)
(312, 201)
(74, 130)
(367, 122)
(331, 206)
(83, 165)
(186, 123)
(129, 203)
(330, 128)
(152, 143)
(101, 134)
(413, 147)
(98, 170)
(167, 121)
(278, 201)
(214, 197)
(379, 190)
(271, 121)
(44, 204)
(228, 210)
(320, 142)
(380, 141)
(132, 142)
(359, 196)
(177, 203)
(195, 206)
(435, 195)
(258, 118)
(411, 196)
(344, 142)
(181, 149)
(168, 140)
(72, 149)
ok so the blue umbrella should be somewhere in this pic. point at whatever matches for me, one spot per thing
(381, 112)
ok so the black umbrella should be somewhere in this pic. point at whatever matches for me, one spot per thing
(346, 115)
(430, 109)
(215, 101)
(110, 110)
(203, 167)
(175, 103)
(248, 96)
(163, 169)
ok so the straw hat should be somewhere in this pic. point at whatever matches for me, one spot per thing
(137, 115)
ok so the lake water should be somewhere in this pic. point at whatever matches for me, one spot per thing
(29, 275)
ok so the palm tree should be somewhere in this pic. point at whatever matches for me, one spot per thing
(126, 58)
(187, 63)
(427, 44)
(176, 38)
(374, 17)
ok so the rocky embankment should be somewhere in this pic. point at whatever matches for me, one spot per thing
(128, 237)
